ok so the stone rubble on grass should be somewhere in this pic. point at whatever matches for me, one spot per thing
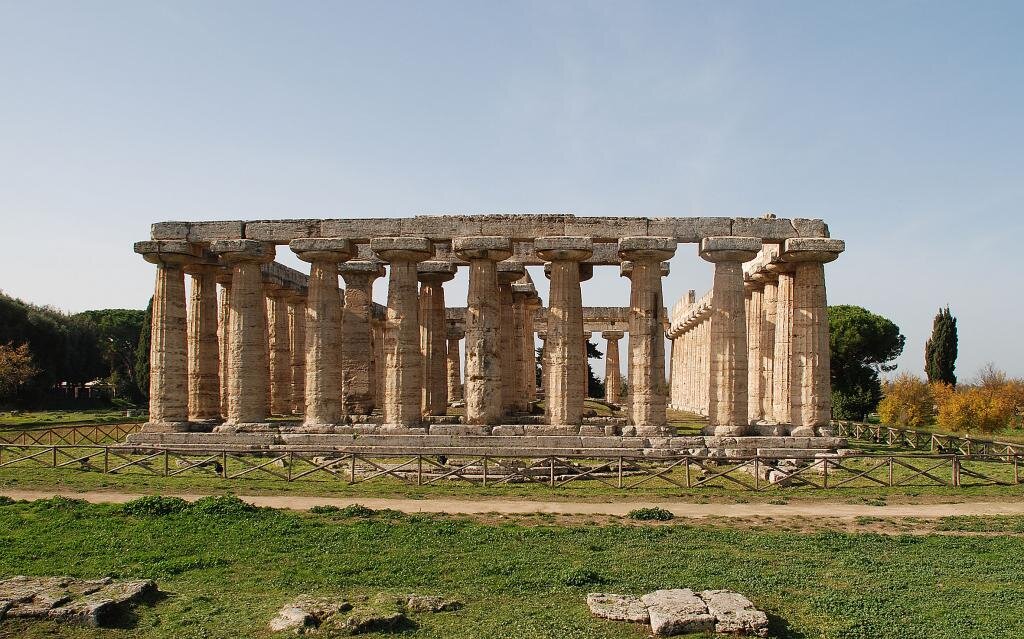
(356, 615)
(94, 602)
(682, 611)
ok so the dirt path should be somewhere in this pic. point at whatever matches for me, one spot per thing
(504, 506)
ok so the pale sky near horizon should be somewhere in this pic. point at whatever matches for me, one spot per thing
(898, 123)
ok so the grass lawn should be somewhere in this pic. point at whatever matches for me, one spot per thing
(227, 569)
(51, 418)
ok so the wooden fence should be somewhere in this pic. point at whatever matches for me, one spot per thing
(757, 473)
(924, 440)
(71, 435)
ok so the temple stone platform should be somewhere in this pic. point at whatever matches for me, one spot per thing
(510, 440)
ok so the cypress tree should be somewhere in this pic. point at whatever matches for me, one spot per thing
(940, 349)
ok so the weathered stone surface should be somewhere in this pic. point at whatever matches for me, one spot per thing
(198, 231)
(360, 614)
(431, 603)
(735, 614)
(618, 607)
(97, 602)
(677, 612)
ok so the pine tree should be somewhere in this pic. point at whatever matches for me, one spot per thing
(940, 349)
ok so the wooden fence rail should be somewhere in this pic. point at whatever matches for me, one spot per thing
(683, 472)
(71, 435)
(924, 440)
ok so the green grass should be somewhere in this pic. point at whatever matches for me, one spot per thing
(51, 418)
(227, 569)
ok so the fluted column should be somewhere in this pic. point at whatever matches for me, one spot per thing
(509, 353)
(727, 395)
(223, 346)
(531, 306)
(279, 341)
(585, 371)
(248, 372)
(612, 371)
(168, 360)
(783, 357)
(297, 349)
(357, 362)
(203, 345)
(378, 368)
(543, 337)
(767, 345)
(403, 361)
(811, 393)
(564, 342)
(434, 335)
(454, 365)
(754, 295)
(483, 387)
(521, 294)
(323, 385)
(648, 392)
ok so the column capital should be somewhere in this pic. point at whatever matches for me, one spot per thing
(402, 249)
(168, 252)
(626, 269)
(563, 248)
(612, 336)
(321, 249)
(455, 332)
(647, 249)
(223, 276)
(483, 247)
(232, 251)
(435, 271)
(509, 272)
(727, 248)
(357, 272)
(811, 249)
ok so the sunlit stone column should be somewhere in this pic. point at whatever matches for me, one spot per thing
(247, 330)
(767, 344)
(754, 295)
(585, 388)
(483, 386)
(811, 393)
(357, 362)
(543, 337)
(533, 304)
(223, 347)
(203, 347)
(564, 343)
(509, 351)
(403, 361)
(523, 308)
(434, 334)
(280, 350)
(324, 340)
(297, 348)
(647, 331)
(168, 361)
(783, 358)
(727, 395)
(454, 365)
(612, 370)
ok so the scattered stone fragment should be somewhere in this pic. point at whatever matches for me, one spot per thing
(379, 613)
(97, 602)
(734, 613)
(618, 607)
(431, 603)
(676, 612)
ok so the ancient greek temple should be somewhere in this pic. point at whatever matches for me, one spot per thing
(282, 350)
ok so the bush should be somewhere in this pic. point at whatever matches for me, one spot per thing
(985, 409)
(324, 510)
(651, 514)
(221, 506)
(58, 503)
(356, 510)
(580, 577)
(908, 401)
(5, 500)
(154, 506)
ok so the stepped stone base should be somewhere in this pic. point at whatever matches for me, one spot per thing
(452, 439)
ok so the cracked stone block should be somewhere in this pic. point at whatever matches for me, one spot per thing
(676, 612)
(618, 607)
(735, 614)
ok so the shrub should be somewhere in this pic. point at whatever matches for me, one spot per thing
(154, 506)
(651, 514)
(356, 510)
(985, 409)
(221, 506)
(58, 502)
(580, 577)
(908, 401)
(5, 500)
(324, 510)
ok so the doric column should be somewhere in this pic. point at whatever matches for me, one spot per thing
(531, 306)
(727, 395)
(247, 330)
(564, 344)
(223, 345)
(454, 364)
(168, 361)
(783, 356)
(279, 341)
(543, 337)
(483, 387)
(811, 392)
(403, 362)
(648, 394)
(754, 294)
(612, 371)
(510, 352)
(377, 364)
(434, 334)
(203, 347)
(323, 328)
(767, 345)
(521, 294)
(297, 348)
(585, 387)
(357, 362)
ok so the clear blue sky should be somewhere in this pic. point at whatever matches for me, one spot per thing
(899, 123)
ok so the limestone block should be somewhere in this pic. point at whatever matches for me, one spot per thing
(361, 229)
(168, 252)
(735, 614)
(617, 607)
(198, 231)
(738, 249)
(486, 247)
(242, 250)
(603, 229)
(676, 612)
(812, 249)
(392, 249)
(327, 249)
(282, 231)
(571, 248)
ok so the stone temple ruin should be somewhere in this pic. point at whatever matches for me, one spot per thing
(752, 355)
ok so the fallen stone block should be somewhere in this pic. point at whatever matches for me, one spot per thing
(97, 602)
(676, 612)
(734, 613)
(618, 607)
